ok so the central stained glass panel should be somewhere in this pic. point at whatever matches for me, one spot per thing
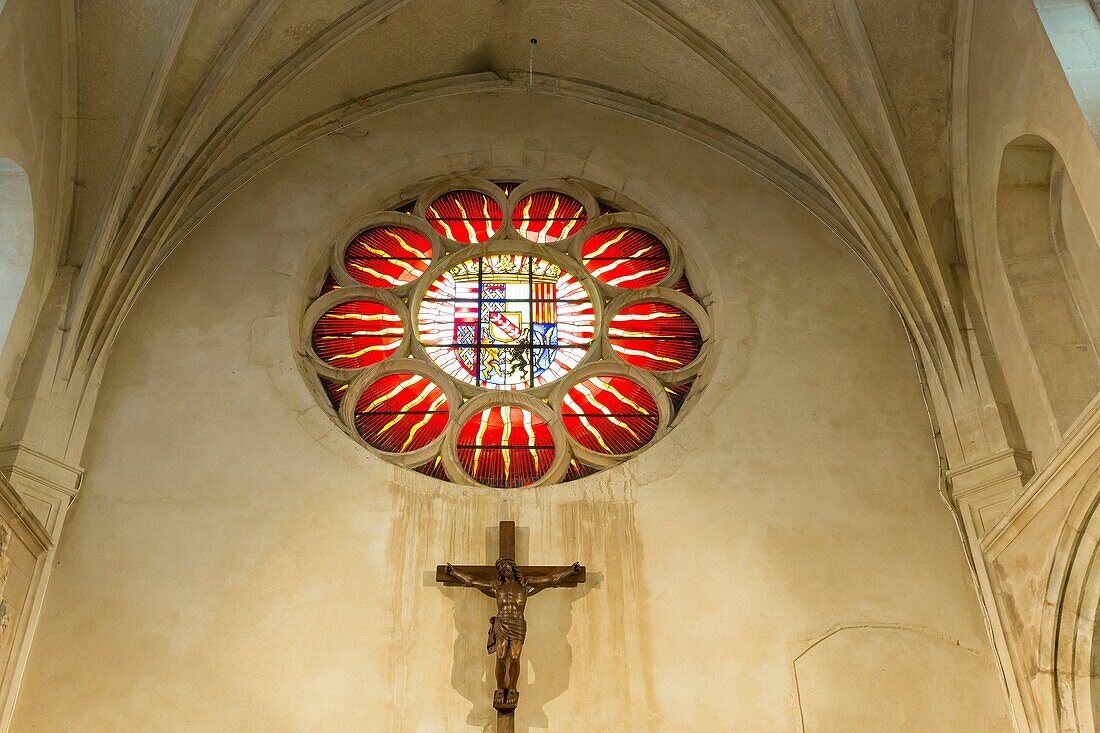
(506, 321)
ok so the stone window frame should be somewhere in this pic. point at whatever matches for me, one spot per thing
(465, 400)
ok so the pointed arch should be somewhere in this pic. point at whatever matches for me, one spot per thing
(1042, 260)
(16, 242)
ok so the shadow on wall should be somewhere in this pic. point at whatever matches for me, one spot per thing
(1051, 260)
(547, 660)
(16, 239)
(588, 644)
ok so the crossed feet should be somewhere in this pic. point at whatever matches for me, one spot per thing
(504, 700)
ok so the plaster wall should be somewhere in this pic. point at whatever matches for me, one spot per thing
(781, 561)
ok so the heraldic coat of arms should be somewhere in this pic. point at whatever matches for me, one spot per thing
(506, 323)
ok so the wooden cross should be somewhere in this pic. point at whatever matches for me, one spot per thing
(510, 585)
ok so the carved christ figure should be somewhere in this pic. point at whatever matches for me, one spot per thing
(508, 628)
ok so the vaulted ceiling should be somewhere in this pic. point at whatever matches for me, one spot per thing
(843, 103)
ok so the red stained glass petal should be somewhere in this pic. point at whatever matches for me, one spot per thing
(548, 216)
(335, 391)
(388, 256)
(329, 285)
(578, 470)
(610, 415)
(655, 336)
(402, 412)
(678, 394)
(506, 447)
(626, 257)
(684, 287)
(465, 216)
(356, 334)
(433, 468)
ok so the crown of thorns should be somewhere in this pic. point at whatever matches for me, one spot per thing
(505, 562)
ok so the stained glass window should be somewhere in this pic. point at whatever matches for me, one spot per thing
(335, 391)
(578, 470)
(357, 333)
(469, 217)
(655, 336)
(626, 257)
(505, 447)
(401, 412)
(388, 256)
(571, 320)
(548, 216)
(610, 415)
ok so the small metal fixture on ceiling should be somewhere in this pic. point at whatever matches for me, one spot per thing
(506, 334)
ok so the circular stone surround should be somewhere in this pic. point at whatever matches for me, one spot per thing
(505, 334)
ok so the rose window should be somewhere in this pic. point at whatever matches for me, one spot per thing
(505, 334)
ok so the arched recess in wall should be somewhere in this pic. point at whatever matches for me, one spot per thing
(1051, 261)
(16, 241)
(1073, 27)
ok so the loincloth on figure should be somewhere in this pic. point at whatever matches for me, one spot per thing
(514, 630)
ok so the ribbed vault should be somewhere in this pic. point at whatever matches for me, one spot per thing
(843, 105)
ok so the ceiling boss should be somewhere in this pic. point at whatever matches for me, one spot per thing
(505, 334)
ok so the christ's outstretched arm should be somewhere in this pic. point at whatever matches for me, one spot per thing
(468, 580)
(542, 582)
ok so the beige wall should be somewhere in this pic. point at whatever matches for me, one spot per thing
(234, 562)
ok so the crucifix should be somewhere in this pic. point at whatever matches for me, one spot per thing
(510, 585)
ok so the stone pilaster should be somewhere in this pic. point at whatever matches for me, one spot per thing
(35, 494)
(985, 489)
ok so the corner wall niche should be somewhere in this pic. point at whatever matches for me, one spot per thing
(1048, 251)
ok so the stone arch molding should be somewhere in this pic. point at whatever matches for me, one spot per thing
(884, 223)
(1069, 641)
(16, 247)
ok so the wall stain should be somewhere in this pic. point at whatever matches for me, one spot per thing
(587, 662)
